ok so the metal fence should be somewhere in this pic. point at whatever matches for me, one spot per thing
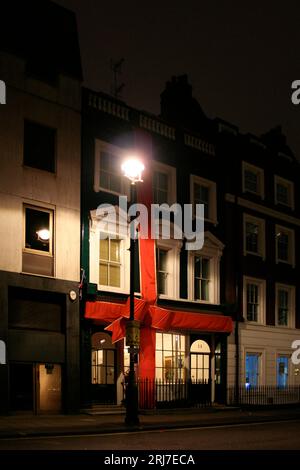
(263, 395)
(173, 394)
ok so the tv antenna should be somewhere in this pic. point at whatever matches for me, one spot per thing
(116, 68)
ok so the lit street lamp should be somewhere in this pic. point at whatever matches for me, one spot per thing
(132, 169)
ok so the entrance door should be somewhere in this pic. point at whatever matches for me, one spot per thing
(49, 388)
(103, 369)
(200, 389)
(21, 387)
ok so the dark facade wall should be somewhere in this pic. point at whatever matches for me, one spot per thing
(42, 346)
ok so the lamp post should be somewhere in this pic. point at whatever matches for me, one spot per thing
(132, 169)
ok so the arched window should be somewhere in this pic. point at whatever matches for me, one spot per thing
(200, 361)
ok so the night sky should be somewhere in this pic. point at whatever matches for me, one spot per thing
(241, 57)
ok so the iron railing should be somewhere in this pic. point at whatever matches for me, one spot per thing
(156, 393)
(263, 395)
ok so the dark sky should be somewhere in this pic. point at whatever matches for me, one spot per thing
(241, 57)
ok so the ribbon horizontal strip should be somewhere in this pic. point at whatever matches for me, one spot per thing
(155, 317)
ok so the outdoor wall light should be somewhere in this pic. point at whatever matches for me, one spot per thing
(133, 169)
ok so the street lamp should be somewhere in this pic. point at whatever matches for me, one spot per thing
(132, 169)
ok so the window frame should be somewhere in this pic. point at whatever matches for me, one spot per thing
(94, 254)
(118, 152)
(260, 172)
(261, 363)
(291, 304)
(291, 244)
(173, 248)
(290, 185)
(287, 355)
(182, 352)
(261, 235)
(51, 213)
(261, 283)
(170, 171)
(212, 205)
(213, 250)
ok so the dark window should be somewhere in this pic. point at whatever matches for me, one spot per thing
(38, 229)
(110, 172)
(283, 307)
(162, 270)
(252, 237)
(201, 196)
(39, 146)
(283, 246)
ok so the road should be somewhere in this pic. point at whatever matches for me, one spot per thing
(280, 435)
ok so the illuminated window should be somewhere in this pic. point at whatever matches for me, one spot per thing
(282, 371)
(252, 369)
(170, 357)
(110, 262)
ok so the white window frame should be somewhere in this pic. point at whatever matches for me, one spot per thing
(101, 146)
(261, 235)
(291, 238)
(94, 245)
(287, 354)
(170, 171)
(51, 213)
(212, 204)
(261, 183)
(290, 185)
(261, 283)
(173, 248)
(291, 306)
(213, 250)
(261, 363)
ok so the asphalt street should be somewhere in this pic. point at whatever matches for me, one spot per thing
(279, 435)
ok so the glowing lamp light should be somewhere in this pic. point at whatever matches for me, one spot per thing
(43, 235)
(133, 169)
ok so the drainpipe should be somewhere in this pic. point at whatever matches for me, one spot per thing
(237, 361)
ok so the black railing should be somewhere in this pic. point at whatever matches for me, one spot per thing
(264, 395)
(156, 393)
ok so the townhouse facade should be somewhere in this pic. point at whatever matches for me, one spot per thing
(40, 145)
(186, 321)
(262, 275)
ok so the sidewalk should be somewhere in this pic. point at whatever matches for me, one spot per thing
(25, 425)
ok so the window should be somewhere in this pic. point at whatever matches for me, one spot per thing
(282, 371)
(254, 300)
(252, 369)
(39, 146)
(202, 278)
(204, 271)
(38, 230)
(164, 183)
(254, 236)
(167, 267)
(170, 357)
(204, 192)
(162, 273)
(110, 264)
(108, 174)
(285, 305)
(285, 245)
(103, 359)
(253, 179)
(37, 256)
(284, 192)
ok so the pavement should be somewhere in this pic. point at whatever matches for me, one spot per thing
(82, 424)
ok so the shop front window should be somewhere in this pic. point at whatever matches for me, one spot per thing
(170, 357)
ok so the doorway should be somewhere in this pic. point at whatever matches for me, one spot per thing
(103, 373)
(35, 388)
